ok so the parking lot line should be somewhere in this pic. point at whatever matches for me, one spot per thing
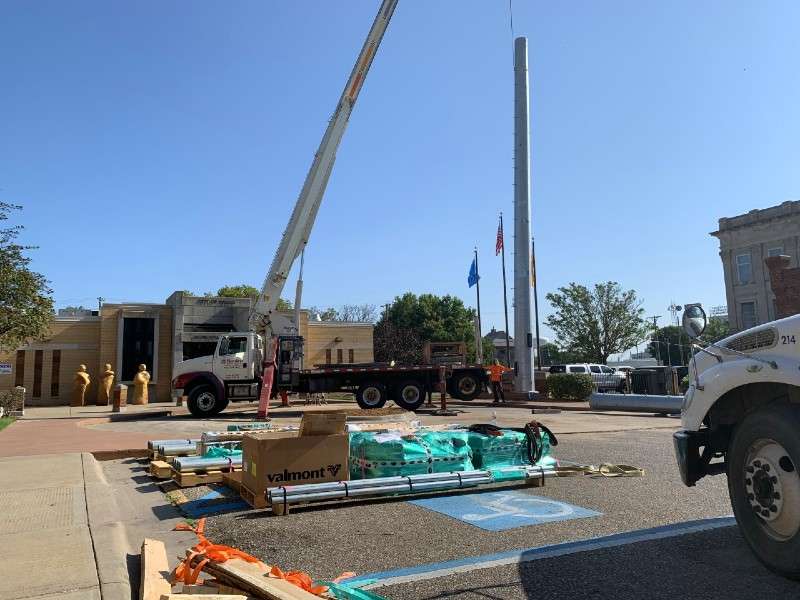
(442, 569)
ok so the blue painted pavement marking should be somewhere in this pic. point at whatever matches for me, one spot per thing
(473, 563)
(497, 511)
(205, 505)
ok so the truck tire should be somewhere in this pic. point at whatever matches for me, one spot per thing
(409, 395)
(204, 401)
(466, 386)
(764, 486)
(371, 395)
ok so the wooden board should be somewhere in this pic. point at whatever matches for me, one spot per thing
(192, 479)
(233, 480)
(204, 597)
(160, 469)
(253, 499)
(251, 577)
(155, 570)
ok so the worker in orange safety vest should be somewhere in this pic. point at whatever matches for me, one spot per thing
(496, 376)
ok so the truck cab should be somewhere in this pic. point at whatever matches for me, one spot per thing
(741, 416)
(233, 372)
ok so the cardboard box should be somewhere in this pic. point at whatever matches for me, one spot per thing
(270, 459)
(323, 423)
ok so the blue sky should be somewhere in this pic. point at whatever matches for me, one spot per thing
(161, 145)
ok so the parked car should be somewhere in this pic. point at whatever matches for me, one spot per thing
(605, 378)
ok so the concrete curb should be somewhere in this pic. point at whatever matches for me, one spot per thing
(108, 534)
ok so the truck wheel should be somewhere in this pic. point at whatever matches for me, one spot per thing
(203, 402)
(409, 395)
(466, 387)
(764, 486)
(371, 395)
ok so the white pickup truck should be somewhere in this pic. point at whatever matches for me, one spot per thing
(741, 416)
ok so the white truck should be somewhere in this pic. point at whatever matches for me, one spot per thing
(741, 416)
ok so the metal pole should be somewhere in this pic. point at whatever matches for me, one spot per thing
(479, 346)
(535, 304)
(505, 292)
(523, 345)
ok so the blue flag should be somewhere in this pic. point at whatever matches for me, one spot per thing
(473, 273)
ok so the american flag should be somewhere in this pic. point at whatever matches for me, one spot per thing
(499, 244)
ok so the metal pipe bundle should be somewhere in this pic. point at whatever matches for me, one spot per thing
(198, 463)
(154, 444)
(187, 447)
(384, 486)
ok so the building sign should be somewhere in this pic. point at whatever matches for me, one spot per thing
(5, 368)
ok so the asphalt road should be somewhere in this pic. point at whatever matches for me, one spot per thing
(377, 536)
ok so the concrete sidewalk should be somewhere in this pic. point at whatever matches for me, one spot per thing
(61, 530)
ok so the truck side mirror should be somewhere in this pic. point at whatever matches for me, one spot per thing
(694, 320)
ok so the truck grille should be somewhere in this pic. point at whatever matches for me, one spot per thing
(755, 340)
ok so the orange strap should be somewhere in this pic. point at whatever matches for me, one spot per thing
(300, 579)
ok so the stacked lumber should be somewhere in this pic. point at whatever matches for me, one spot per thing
(234, 579)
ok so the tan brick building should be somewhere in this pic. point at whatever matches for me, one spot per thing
(158, 335)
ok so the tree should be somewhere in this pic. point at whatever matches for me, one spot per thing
(553, 355)
(26, 302)
(428, 318)
(357, 313)
(716, 329)
(325, 314)
(670, 344)
(248, 291)
(238, 291)
(596, 323)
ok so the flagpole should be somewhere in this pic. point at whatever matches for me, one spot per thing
(505, 293)
(478, 351)
(535, 304)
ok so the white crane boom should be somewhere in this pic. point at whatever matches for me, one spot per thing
(298, 230)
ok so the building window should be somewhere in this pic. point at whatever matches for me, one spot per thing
(748, 315)
(339, 356)
(351, 356)
(55, 374)
(138, 345)
(328, 356)
(776, 251)
(744, 268)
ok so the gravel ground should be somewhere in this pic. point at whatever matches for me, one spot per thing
(383, 535)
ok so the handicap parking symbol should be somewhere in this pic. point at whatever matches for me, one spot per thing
(497, 511)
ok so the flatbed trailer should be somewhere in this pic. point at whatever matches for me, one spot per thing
(407, 385)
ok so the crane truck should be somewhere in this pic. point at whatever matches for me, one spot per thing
(741, 416)
(256, 363)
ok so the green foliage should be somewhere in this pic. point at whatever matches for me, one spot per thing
(488, 350)
(283, 304)
(424, 318)
(553, 355)
(238, 291)
(26, 303)
(569, 386)
(598, 322)
(670, 344)
(5, 422)
(325, 314)
(716, 329)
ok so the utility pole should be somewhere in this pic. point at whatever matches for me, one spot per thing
(100, 301)
(655, 339)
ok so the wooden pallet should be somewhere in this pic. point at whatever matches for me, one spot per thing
(232, 480)
(193, 479)
(160, 469)
(253, 499)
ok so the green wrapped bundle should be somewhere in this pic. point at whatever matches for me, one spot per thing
(506, 450)
(391, 455)
(222, 452)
